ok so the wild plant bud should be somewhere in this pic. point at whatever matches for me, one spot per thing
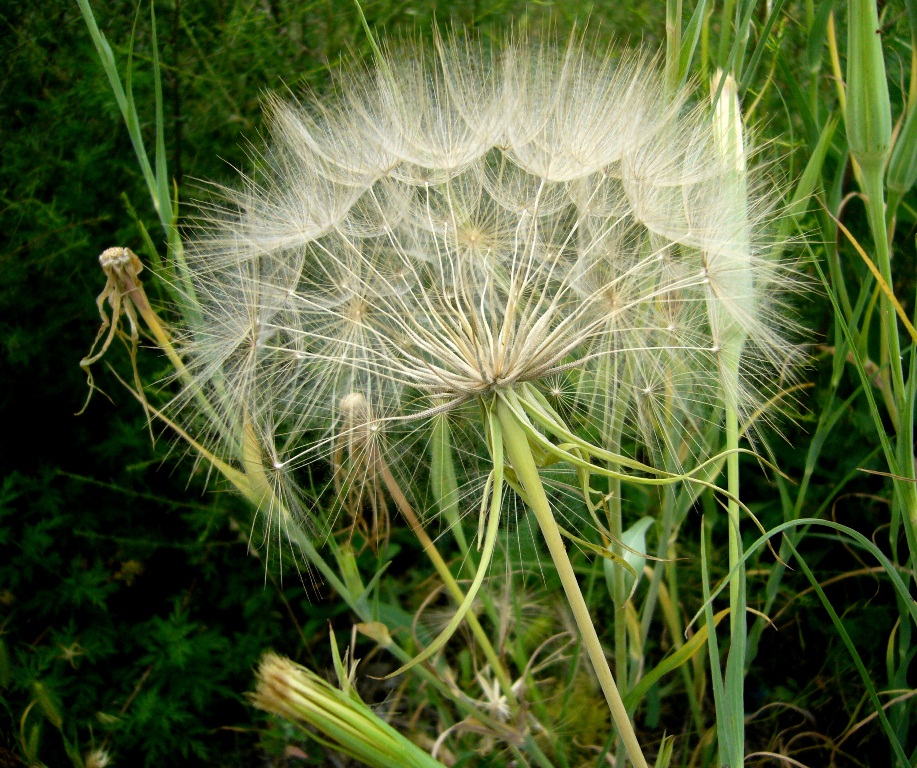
(868, 116)
(340, 717)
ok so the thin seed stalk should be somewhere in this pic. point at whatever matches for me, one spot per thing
(523, 463)
(445, 574)
(619, 596)
(735, 666)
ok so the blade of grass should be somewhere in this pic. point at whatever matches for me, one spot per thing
(807, 184)
(689, 41)
(855, 656)
(670, 663)
(855, 536)
(122, 97)
(749, 76)
(162, 176)
(906, 492)
(818, 32)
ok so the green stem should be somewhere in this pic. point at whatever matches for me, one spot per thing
(735, 665)
(619, 595)
(535, 752)
(520, 455)
(875, 207)
(903, 413)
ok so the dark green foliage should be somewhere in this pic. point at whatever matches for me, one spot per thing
(140, 619)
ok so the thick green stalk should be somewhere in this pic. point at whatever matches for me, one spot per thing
(520, 455)
(905, 490)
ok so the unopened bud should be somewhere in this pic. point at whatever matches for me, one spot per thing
(303, 698)
(868, 116)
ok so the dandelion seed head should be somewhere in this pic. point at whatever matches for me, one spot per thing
(462, 219)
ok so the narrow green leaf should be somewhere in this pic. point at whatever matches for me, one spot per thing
(713, 649)
(162, 176)
(911, 6)
(748, 76)
(865, 378)
(634, 545)
(817, 34)
(666, 749)
(807, 184)
(670, 663)
(443, 479)
(689, 40)
(902, 165)
(493, 526)
(122, 96)
(855, 656)
(798, 101)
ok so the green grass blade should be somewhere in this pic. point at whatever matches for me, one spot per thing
(911, 6)
(734, 61)
(443, 480)
(865, 378)
(817, 33)
(752, 69)
(122, 95)
(670, 663)
(855, 656)
(799, 102)
(855, 536)
(689, 40)
(713, 649)
(162, 176)
(807, 184)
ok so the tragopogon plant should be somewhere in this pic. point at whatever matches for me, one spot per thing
(537, 246)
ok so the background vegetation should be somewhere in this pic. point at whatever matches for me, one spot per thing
(132, 608)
